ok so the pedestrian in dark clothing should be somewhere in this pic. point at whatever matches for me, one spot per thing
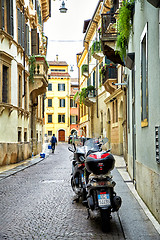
(53, 142)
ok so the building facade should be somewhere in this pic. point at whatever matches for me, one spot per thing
(74, 109)
(101, 114)
(144, 103)
(23, 79)
(57, 102)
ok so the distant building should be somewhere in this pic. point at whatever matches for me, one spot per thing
(57, 102)
(74, 110)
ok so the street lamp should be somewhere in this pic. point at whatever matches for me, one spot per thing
(63, 9)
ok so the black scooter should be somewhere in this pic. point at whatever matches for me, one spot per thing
(77, 176)
(101, 197)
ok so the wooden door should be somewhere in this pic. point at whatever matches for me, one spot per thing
(61, 136)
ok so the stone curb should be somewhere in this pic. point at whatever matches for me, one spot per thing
(21, 167)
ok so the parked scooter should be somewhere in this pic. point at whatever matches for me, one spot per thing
(79, 172)
(101, 197)
(77, 178)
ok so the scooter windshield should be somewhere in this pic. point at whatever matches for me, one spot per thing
(91, 144)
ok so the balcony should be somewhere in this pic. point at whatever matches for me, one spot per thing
(96, 50)
(39, 82)
(109, 75)
(91, 98)
(84, 70)
(109, 37)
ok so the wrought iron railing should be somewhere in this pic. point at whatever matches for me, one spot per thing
(106, 20)
(109, 73)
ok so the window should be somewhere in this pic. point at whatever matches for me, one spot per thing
(6, 16)
(61, 118)
(49, 118)
(25, 136)
(19, 134)
(62, 102)
(61, 87)
(49, 133)
(49, 102)
(5, 85)
(73, 119)
(49, 86)
(144, 78)
(73, 103)
(20, 91)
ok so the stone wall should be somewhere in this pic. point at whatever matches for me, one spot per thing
(14, 152)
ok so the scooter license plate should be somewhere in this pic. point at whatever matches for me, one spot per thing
(103, 199)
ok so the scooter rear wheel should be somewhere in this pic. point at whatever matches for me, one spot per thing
(105, 220)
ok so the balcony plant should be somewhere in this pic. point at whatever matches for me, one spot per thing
(84, 93)
(124, 26)
(32, 66)
(84, 68)
(96, 47)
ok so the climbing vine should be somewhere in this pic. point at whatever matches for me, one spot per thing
(83, 93)
(124, 26)
(32, 67)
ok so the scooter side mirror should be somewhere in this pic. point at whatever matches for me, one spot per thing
(71, 149)
(81, 158)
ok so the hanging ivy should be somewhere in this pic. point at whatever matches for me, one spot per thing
(32, 67)
(83, 93)
(124, 26)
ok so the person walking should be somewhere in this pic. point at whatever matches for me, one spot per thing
(53, 142)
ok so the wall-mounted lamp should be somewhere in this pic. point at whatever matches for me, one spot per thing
(120, 84)
(71, 70)
(63, 9)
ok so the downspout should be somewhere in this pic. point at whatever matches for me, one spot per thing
(97, 75)
(24, 56)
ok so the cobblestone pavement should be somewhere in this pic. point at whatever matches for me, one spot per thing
(36, 203)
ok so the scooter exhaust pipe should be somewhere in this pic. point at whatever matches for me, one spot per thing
(117, 201)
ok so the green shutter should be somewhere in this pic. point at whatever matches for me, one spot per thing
(2, 15)
(19, 26)
(34, 42)
(23, 30)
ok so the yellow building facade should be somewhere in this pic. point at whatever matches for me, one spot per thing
(57, 102)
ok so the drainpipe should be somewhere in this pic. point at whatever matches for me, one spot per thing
(97, 74)
(24, 55)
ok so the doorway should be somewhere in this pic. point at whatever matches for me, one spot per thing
(61, 136)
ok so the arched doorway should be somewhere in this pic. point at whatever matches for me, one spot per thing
(61, 135)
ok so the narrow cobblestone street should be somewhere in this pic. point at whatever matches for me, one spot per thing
(37, 204)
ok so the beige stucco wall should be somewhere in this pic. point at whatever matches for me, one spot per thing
(147, 184)
(14, 152)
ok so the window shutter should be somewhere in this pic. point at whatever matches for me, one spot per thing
(11, 19)
(27, 39)
(23, 29)
(37, 43)
(76, 119)
(34, 42)
(2, 16)
(63, 118)
(19, 26)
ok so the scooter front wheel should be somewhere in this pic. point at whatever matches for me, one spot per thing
(105, 220)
